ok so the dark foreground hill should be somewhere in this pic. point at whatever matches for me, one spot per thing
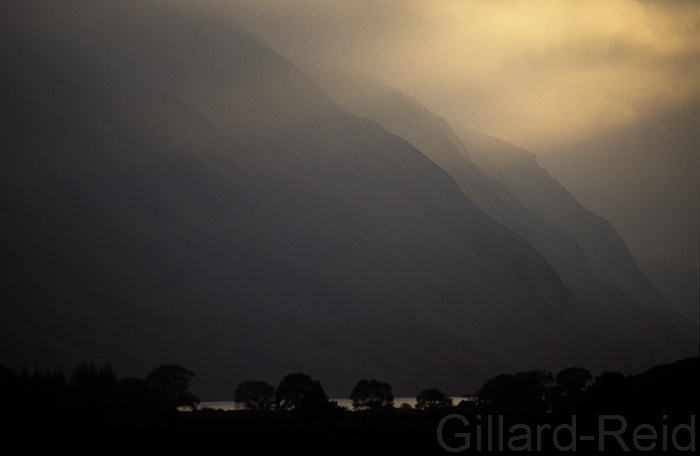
(178, 192)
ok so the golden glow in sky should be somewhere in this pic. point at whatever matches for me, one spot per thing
(537, 73)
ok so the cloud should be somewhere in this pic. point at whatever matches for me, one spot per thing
(537, 73)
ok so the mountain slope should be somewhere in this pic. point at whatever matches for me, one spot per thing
(535, 188)
(678, 283)
(584, 249)
(208, 204)
(435, 138)
(136, 230)
(645, 179)
(607, 253)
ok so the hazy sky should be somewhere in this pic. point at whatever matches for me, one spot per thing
(541, 74)
(536, 73)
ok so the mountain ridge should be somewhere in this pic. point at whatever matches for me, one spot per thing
(507, 182)
(266, 232)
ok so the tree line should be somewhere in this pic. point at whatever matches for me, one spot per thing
(91, 389)
(523, 393)
(93, 396)
(92, 403)
(298, 391)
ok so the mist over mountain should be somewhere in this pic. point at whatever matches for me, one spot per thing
(499, 198)
(652, 169)
(678, 283)
(606, 252)
(645, 179)
(174, 191)
(508, 183)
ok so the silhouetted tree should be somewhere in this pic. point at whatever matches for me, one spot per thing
(88, 378)
(371, 394)
(34, 396)
(291, 390)
(9, 386)
(298, 391)
(572, 381)
(518, 394)
(255, 395)
(609, 390)
(305, 396)
(169, 384)
(432, 398)
(92, 391)
(315, 401)
(135, 397)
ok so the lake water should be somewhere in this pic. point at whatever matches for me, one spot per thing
(347, 403)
